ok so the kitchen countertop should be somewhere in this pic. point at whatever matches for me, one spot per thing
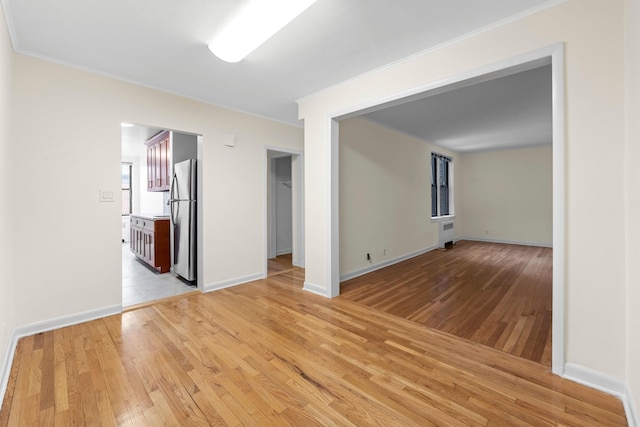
(151, 217)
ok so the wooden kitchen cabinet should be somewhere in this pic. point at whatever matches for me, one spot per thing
(149, 241)
(159, 162)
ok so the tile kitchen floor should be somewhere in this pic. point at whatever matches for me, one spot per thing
(141, 284)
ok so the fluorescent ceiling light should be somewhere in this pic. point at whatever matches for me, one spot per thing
(255, 23)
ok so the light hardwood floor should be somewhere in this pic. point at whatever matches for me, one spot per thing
(268, 353)
(493, 294)
(280, 264)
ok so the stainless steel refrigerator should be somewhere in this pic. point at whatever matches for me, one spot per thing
(183, 219)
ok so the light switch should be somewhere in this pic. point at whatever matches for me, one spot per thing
(106, 196)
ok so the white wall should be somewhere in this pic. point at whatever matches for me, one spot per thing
(67, 123)
(7, 181)
(592, 33)
(632, 156)
(507, 195)
(385, 195)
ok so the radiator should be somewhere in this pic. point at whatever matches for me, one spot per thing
(446, 234)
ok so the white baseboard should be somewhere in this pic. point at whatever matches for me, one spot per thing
(6, 366)
(606, 384)
(594, 379)
(284, 251)
(315, 289)
(72, 319)
(633, 416)
(508, 242)
(44, 326)
(387, 263)
(232, 282)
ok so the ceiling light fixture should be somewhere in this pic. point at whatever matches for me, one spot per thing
(255, 23)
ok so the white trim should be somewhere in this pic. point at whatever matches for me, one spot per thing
(297, 176)
(316, 289)
(232, 282)
(48, 325)
(633, 416)
(594, 379)
(559, 213)
(200, 214)
(297, 199)
(272, 204)
(607, 384)
(334, 209)
(72, 319)
(442, 218)
(387, 263)
(438, 184)
(271, 209)
(6, 366)
(506, 242)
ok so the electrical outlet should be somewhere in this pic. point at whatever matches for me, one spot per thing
(369, 257)
(384, 252)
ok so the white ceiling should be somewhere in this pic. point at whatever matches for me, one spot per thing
(163, 44)
(506, 112)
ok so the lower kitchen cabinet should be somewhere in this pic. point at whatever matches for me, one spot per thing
(149, 241)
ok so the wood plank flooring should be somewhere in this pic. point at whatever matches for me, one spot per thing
(493, 294)
(280, 264)
(268, 353)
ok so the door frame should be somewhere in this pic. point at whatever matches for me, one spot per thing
(297, 201)
(273, 207)
(554, 55)
(139, 163)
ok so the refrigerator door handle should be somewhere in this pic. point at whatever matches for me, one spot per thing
(172, 198)
(172, 187)
(173, 217)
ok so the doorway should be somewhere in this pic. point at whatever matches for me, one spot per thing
(284, 211)
(146, 248)
(552, 55)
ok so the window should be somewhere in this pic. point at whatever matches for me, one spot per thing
(441, 185)
(126, 189)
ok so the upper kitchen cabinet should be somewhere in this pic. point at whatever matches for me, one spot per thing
(159, 162)
(164, 150)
